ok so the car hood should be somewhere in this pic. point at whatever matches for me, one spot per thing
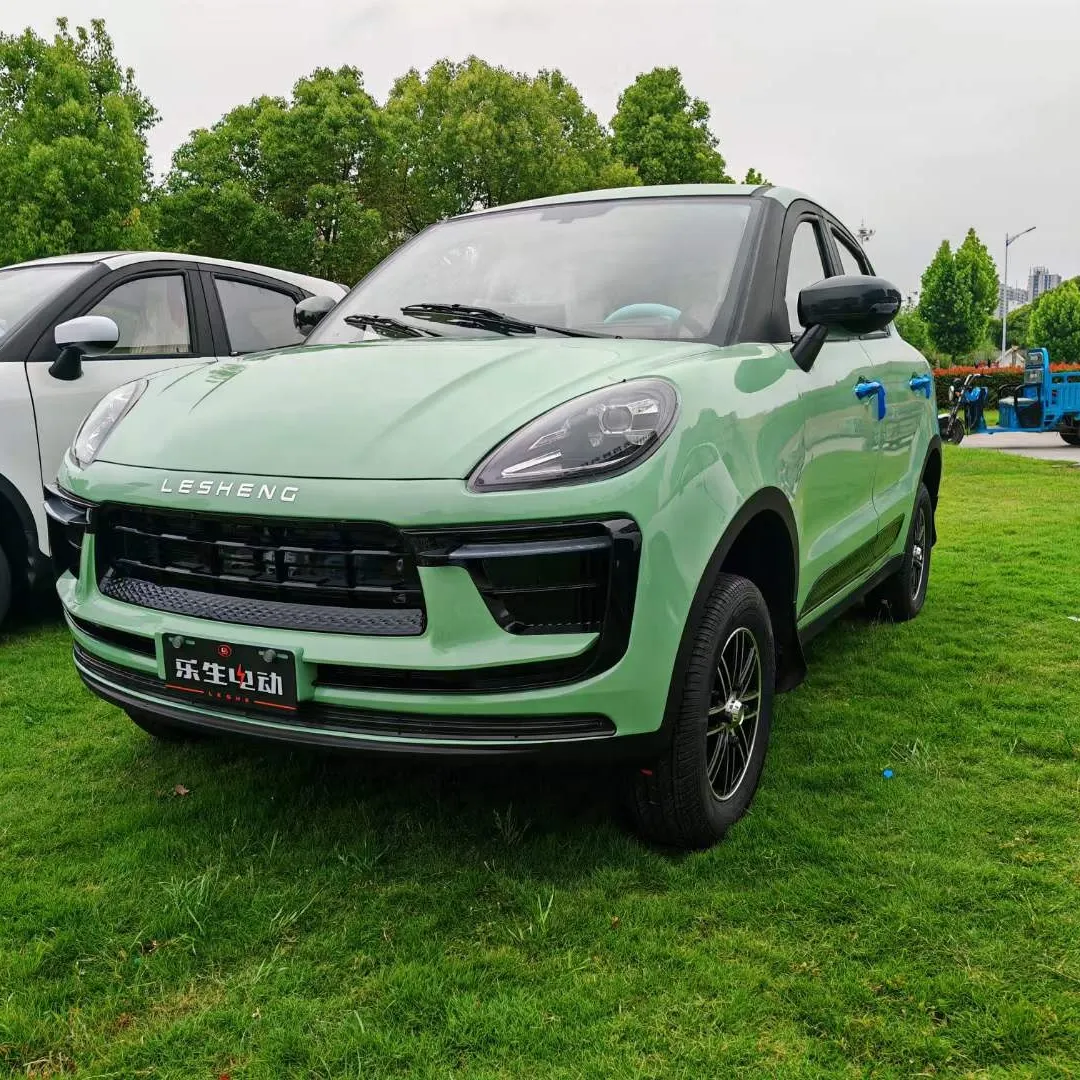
(374, 410)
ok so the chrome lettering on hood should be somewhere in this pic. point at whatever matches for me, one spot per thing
(225, 488)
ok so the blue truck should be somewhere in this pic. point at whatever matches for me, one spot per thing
(1044, 401)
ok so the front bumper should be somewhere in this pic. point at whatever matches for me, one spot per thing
(443, 690)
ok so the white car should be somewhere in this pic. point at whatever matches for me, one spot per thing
(74, 327)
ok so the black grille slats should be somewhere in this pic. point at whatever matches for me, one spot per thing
(350, 565)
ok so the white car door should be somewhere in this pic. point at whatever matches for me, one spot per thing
(161, 314)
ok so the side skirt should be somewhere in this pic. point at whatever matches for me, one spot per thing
(811, 630)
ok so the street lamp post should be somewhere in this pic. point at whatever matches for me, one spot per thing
(1005, 287)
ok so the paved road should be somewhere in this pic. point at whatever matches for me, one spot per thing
(1050, 447)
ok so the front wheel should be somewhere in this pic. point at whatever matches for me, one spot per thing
(704, 782)
(1072, 436)
(904, 593)
(954, 432)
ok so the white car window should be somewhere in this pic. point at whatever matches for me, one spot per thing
(152, 315)
(257, 318)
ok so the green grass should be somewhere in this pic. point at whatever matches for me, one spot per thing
(304, 916)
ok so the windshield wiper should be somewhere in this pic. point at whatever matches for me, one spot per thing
(486, 319)
(388, 327)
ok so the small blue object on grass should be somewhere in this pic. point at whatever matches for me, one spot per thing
(887, 773)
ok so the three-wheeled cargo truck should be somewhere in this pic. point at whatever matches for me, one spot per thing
(1045, 401)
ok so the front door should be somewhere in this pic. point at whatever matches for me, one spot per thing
(161, 318)
(895, 364)
(834, 502)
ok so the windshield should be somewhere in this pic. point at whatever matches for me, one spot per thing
(24, 289)
(639, 267)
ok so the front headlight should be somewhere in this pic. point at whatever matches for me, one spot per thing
(104, 416)
(601, 433)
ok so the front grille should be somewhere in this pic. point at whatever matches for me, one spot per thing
(432, 729)
(355, 577)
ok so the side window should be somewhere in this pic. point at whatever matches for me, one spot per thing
(152, 315)
(805, 267)
(852, 262)
(257, 318)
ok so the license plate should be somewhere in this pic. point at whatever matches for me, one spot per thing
(236, 676)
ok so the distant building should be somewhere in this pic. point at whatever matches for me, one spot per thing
(1016, 296)
(1040, 280)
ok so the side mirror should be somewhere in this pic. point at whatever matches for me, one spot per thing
(84, 336)
(310, 312)
(855, 304)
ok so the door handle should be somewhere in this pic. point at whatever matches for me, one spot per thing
(864, 389)
(923, 383)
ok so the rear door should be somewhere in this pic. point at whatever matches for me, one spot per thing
(834, 502)
(250, 312)
(161, 314)
(905, 430)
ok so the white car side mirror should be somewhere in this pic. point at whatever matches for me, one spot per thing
(88, 332)
(86, 335)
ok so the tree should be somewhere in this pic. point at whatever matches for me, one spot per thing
(958, 294)
(664, 133)
(978, 277)
(754, 177)
(911, 326)
(74, 167)
(1055, 323)
(471, 135)
(294, 184)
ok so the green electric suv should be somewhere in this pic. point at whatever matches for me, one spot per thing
(574, 476)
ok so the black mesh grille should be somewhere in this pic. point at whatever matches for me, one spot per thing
(339, 577)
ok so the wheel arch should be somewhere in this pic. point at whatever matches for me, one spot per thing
(760, 543)
(931, 477)
(18, 533)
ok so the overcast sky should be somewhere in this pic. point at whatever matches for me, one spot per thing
(921, 117)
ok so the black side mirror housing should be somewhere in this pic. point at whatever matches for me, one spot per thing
(855, 304)
(310, 312)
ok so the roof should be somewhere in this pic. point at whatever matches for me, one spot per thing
(785, 196)
(117, 259)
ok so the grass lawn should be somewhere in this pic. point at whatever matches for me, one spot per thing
(294, 915)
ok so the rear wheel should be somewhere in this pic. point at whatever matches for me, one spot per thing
(904, 593)
(162, 729)
(691, 795)
(1071, 436)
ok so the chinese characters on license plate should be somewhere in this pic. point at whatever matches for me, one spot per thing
(238, 676)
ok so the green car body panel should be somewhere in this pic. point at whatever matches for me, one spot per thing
(391, 431)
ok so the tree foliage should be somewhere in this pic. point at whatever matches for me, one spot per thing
(912, 327)
(74, 168)
(664, 133)
(470, 135)
(1055, 323)
(285, 183)
(326, 181)
(754, 177)
(959, 291)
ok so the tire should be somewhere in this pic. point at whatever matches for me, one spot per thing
(673, 801)
(954, 432)
(162, 730)
(904, 593)
(5, 587)
(1071, 437)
